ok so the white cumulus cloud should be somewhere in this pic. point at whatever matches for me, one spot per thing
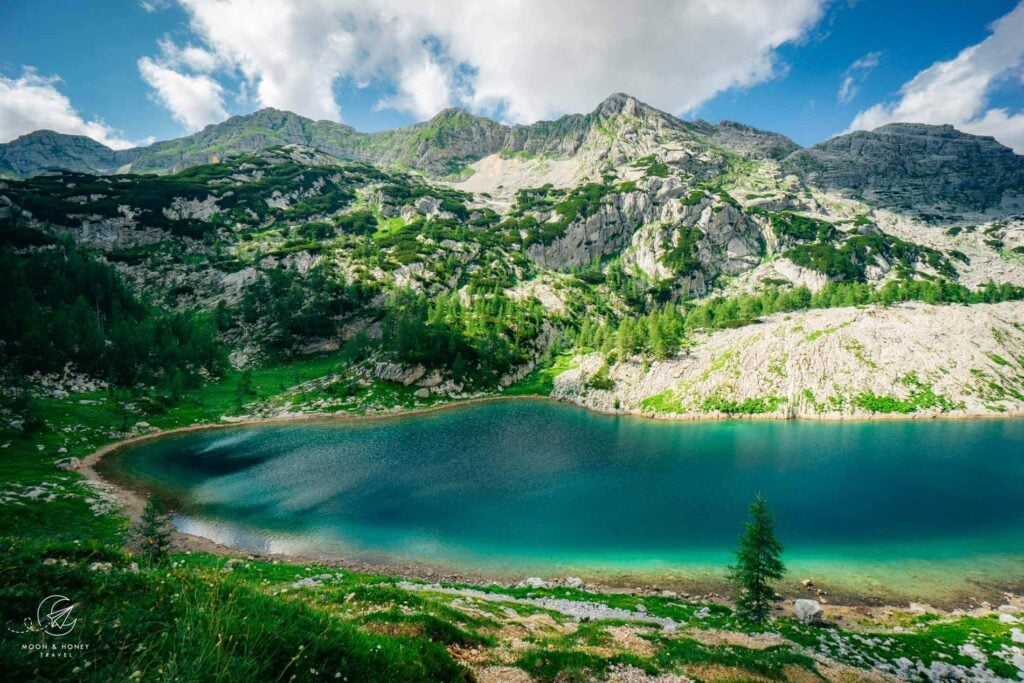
(32, 102)
(193, 100)
(855, 75)
(521, 59)
(958, 91)
(195, 58)
(424, 89)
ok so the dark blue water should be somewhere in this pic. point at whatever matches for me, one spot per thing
(538, 484)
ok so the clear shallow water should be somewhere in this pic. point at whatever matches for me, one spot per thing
(909, 508)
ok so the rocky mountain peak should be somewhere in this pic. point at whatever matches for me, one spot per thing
(620, 103)
(915, 165)
(46, 149)
(450, 113)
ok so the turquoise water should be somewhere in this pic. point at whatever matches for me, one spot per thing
(907, 507)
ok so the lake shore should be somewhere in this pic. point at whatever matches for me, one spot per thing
(832, 589)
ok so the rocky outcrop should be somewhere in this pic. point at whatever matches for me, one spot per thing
(646, 221)
(727, 242)
(799, 276)
(186, 209)
(605, 232)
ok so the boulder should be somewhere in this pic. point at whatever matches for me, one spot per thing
(428, 206)
(974, 652)
(532, 582)
(808, 611)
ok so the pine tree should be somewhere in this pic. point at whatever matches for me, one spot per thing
(154, 533)
(655, 339)
(758, 565)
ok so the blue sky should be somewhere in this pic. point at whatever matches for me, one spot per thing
(130, 71)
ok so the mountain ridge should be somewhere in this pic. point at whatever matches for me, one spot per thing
(562, 135)
(899, 165)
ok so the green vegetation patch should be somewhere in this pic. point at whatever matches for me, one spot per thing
(922, 397)
(787, 224)
(748, 406)
(653, 166)
(850, 260)
(681, 257)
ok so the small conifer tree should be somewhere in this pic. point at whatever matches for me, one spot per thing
(758, 564)
(153, 531)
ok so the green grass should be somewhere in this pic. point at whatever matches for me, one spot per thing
(665, 402)
(769, 662)
(816, 334)
(570, 666)
(925, 638)
(541, 381)
(188, 624)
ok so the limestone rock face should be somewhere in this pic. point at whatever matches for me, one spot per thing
(605, 232)
(909, 165)
(645, 225)
(800, 276)
(729, 243)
